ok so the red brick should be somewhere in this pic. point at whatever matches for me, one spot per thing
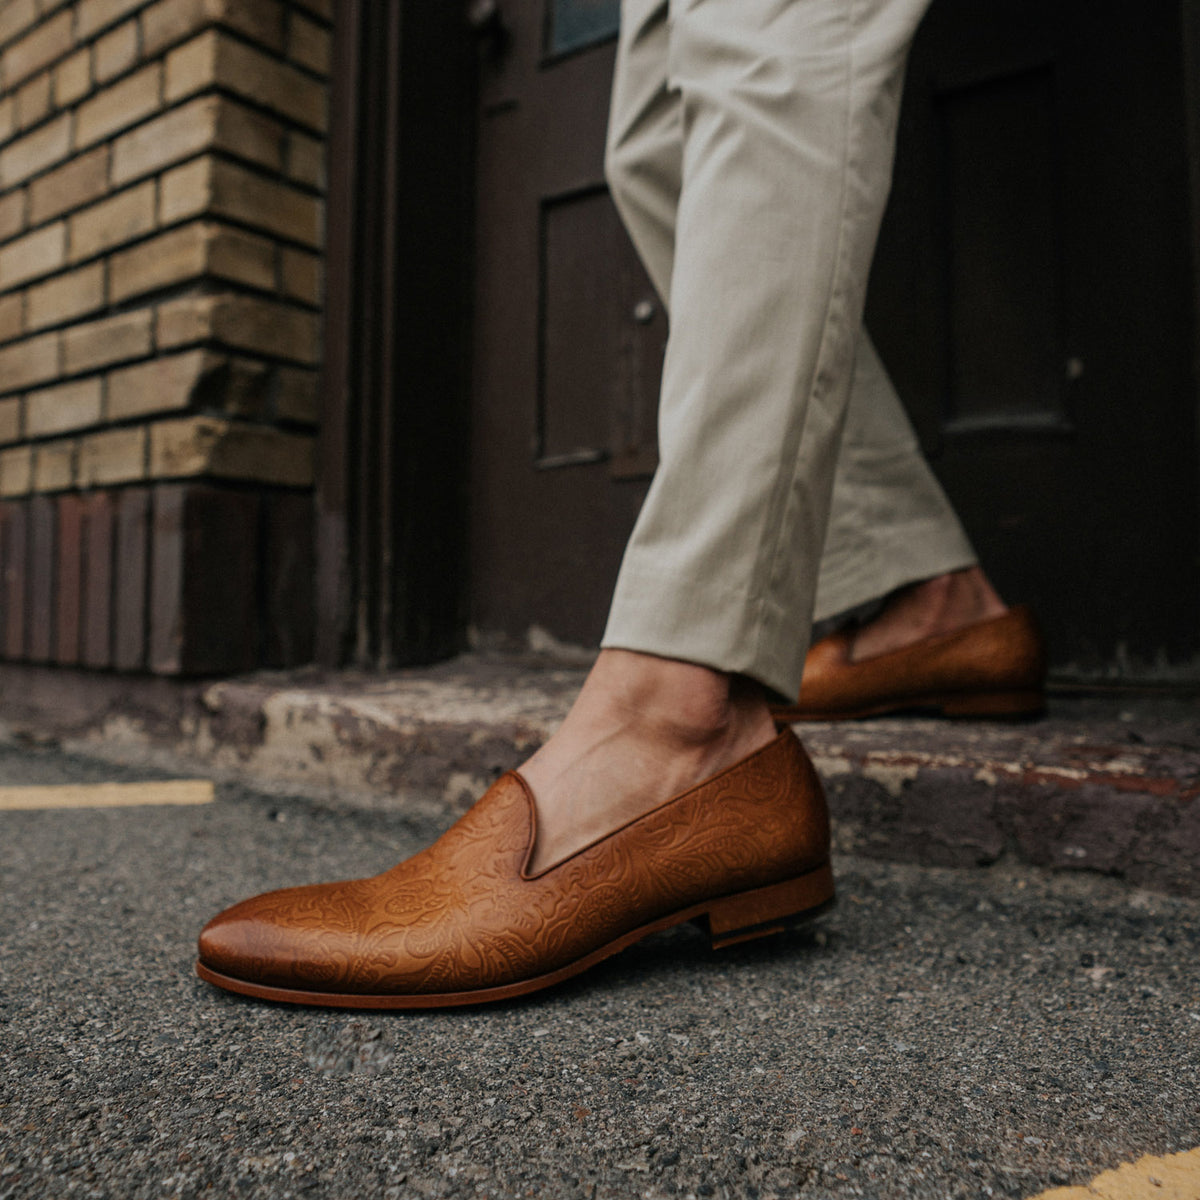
(42, 562)
(99, 541)
(131, 566)
(14, 566)
(70, 580)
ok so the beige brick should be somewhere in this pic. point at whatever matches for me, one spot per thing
(113, 456)
(264, 455)
(183, 321)
(116, 52)
(66, 297)
(306, 160)
(54, 466)
(35, 254)
(111, 340)
(206, 123)
(212, 446)
(192, 252)
(35, 100)
(65, 407)
(250, 323)
(8, 117)
(185, 446)
(35, 152)
(169, 258)
(250, 135)
(242, 388)
(10, 420)
(12, 318)
(12, 214)
(242, 257)
(192, 67)
(296, 395)
(15, 17)
(73, 78)
(186, 191)
(215, 60)
(308, 43)
(112, 222)
(176, 135)
(243, 195)
(119, 106)
(34, 360)
(160, 385)
(170, 21)
(72, 185)
(37, 49)
(300, 275)
(275, 330)
(16, 471)
(95, 15)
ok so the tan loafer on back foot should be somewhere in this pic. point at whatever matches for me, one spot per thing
(994, 668)
(462, 922)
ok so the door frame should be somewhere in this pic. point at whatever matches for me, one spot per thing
(392, 455)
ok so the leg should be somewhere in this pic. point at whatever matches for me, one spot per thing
(644, 726)
(891, 529)
(750, 150)
(788, 110)
(788, 116)
(891, 526)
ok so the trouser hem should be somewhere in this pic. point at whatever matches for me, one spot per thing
(701, 622)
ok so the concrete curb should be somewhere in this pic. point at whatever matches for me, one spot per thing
(1111, 785)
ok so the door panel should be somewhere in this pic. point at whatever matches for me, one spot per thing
(569, 340)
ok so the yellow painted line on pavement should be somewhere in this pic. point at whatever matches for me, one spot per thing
(1175, 1177)
(108, 795)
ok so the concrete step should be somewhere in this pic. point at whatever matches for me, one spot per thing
(1109, 783)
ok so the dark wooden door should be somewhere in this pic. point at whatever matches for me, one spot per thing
(1033, 296)
(569, 334)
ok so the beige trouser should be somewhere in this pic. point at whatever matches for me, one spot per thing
(750, 153)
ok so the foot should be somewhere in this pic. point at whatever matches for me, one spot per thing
(944, 604)
(642, 730)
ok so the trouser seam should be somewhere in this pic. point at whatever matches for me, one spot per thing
(787, 485)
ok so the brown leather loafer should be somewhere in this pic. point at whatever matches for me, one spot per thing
(464, 922)
(994, 668)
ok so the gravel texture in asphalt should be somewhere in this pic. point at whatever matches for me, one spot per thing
(942, 1033)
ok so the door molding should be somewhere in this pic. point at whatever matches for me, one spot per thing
(392, 456)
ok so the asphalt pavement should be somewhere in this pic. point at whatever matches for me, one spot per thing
(990, 1031)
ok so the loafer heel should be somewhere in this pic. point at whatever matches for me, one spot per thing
(767, 910)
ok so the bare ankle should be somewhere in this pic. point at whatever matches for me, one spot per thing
(677, 700)
(931, 607)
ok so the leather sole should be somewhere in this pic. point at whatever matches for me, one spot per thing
(729, 920)
(1001, 705)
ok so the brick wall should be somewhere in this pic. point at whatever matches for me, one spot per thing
(161, 224)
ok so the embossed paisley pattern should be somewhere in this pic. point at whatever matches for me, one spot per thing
(463, 915)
